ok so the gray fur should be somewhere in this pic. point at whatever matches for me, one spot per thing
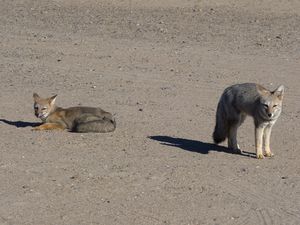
(240, 100)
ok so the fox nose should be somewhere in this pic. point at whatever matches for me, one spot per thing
(269, 114)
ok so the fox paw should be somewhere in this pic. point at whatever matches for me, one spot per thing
(269, 154)
(237, 151)
(260, 156)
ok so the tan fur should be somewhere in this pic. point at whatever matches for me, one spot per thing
(76, 119)
(49, 126)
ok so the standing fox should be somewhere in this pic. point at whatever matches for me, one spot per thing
(240, 100)
(75, 119)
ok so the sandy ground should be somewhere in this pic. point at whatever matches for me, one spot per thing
(160, 67)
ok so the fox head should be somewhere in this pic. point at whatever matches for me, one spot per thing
(43, 106)
(271, 103)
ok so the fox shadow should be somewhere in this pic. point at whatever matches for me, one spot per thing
(195, 146)
(20, 124)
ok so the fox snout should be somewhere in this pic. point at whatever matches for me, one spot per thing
(36, 111)
(40, 115)
(272, 110)
(269, 112)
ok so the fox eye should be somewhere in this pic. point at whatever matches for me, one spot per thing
(265, 105)
(44, 108)
(274, 106)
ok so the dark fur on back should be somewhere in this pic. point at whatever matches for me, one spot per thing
(101, 125)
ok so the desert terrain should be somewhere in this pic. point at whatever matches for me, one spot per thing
(160, 68)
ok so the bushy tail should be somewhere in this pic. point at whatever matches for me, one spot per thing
(221, 128)
(97, 126)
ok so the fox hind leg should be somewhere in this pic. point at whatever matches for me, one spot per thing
(232, 133)
(98, 126)
(232, 138)
(94, 123)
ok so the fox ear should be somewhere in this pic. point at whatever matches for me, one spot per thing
(52, 99)
(36, 96)
(279, 92)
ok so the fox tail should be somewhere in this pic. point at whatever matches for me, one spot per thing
(221, 129)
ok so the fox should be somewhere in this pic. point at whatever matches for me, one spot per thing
(248, 99)
(74, 119)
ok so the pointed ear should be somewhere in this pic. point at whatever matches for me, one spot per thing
(279, 92)
(35, 96)
(52, 99)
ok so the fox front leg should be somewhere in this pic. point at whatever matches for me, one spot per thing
(49, 126)
(259, 141)
(267, 135)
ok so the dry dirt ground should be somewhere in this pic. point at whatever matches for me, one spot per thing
(160, 67)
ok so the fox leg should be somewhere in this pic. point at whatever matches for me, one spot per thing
(232, 138)
(259, 132)
(267, 135)
(99, 126)
(232, 133)
(49, 126)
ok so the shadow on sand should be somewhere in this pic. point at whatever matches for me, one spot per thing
(195, 146)
(20, 124)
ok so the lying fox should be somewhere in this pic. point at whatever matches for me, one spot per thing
(75, 119)
(240, 100)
